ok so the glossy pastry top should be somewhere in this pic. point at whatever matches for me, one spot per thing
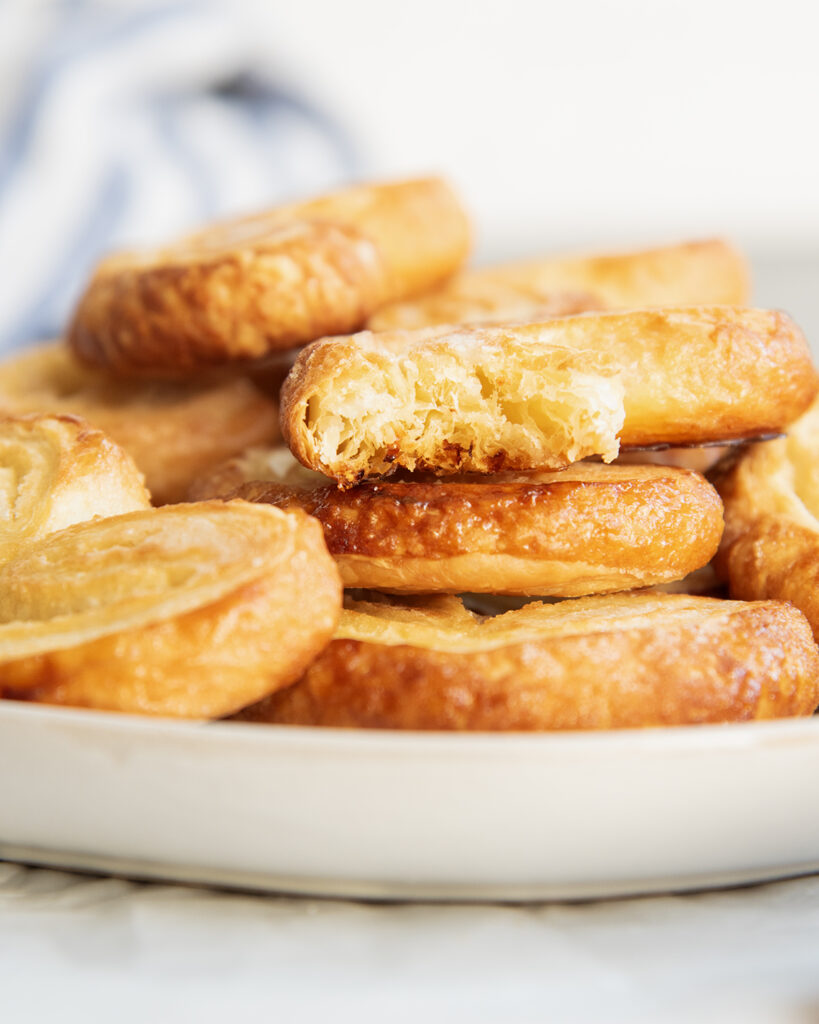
(444, 624)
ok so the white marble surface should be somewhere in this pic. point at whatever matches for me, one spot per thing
(80, 948)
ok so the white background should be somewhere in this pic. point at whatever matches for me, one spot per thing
(572, 123)
(583, 122)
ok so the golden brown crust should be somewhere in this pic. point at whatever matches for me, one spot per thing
(535, 396)
(595, 663)
(174, 432)
(676, 275)
(56, 471)
(775, 559)
(242, 289)
(188, 611)
(771, 544)
(590, 529)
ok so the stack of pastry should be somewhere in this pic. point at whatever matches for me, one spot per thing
(468, 442)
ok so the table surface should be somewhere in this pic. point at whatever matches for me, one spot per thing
(76, 947)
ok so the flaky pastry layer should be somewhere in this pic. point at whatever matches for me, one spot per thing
(241, 289)
(174, 432)
(593, 663)
(56, 471)
(471, 400)
(541, 396)
(589, 529)
(676, 275)
(189, 610)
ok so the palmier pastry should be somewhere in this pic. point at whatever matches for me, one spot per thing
(541, 396)
(187, 610)
(588, 530)
(593, 663)
(242, 289)
(175, 432)
(56, 471)
(771, 545)
(676, 275)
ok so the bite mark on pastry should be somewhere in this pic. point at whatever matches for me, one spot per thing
(541, 396)
(447, 402)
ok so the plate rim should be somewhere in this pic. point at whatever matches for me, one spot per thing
(677, 738)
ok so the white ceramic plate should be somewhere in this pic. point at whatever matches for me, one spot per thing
(403, 815)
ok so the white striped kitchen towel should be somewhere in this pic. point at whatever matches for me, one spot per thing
(125, 124)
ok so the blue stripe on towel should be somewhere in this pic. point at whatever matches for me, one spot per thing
(149, 131)
(71, 43)
(44, 316)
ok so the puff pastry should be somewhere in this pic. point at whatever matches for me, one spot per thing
(175, 432)
(676, 275)
(187, 611)
(588, 530)
(541, 396)
(593, 663)
(56, 471)
(771, 544)
(241, 289)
